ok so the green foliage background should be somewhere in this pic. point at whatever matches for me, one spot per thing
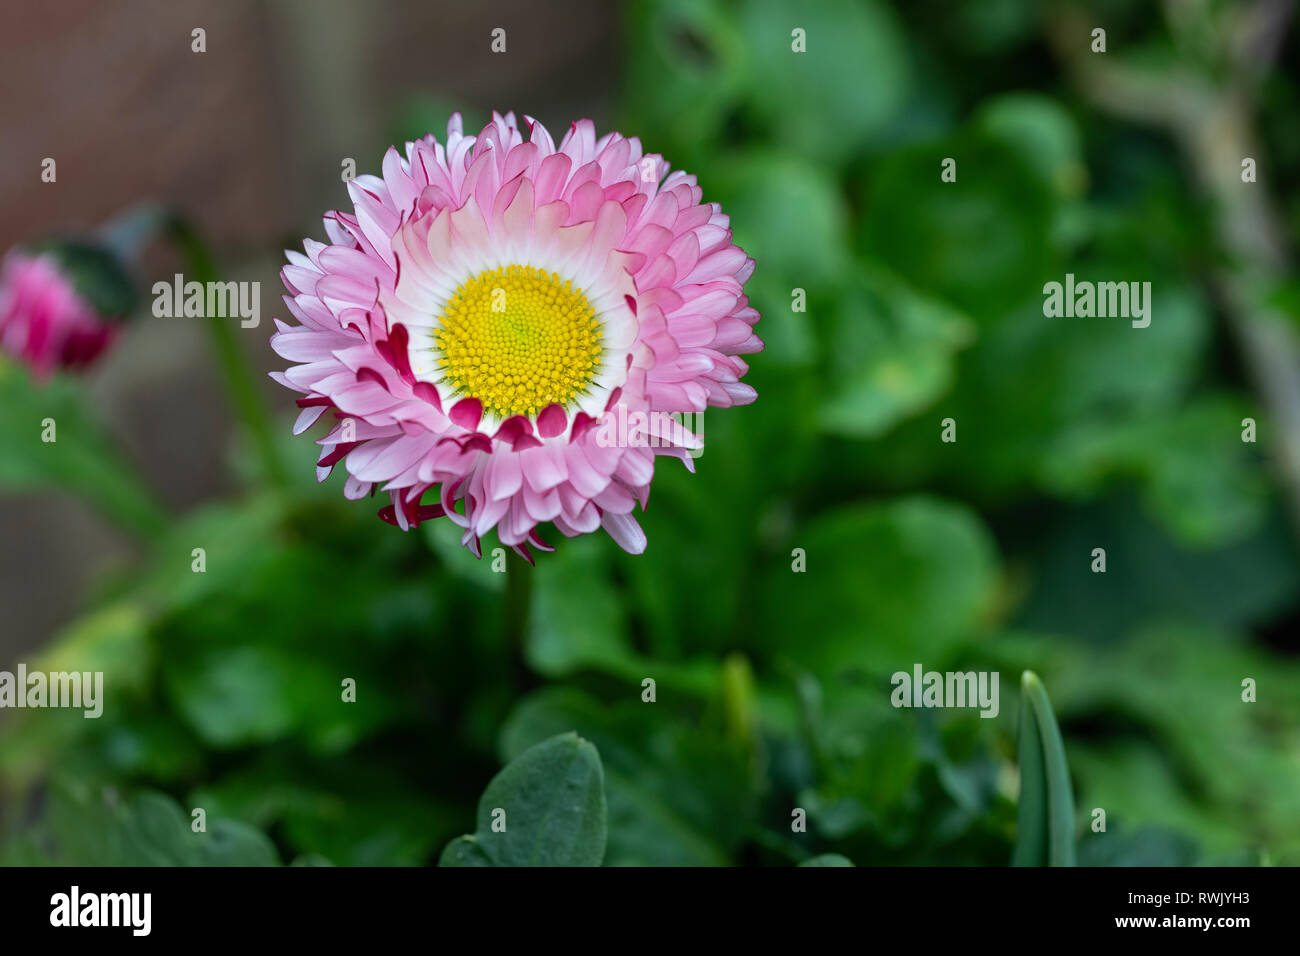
(772, 687)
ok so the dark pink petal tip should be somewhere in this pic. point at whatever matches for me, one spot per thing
(467, 413)
(428, 393)
(365, 374)
(552, 420)
(340, 452)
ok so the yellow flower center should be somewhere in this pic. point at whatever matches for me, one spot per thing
(517, 339)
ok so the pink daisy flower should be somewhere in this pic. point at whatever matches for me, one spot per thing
(44, 320)
(493, 313)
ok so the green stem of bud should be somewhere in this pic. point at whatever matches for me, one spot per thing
(236, 373)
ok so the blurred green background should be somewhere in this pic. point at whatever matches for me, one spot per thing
(924, 302)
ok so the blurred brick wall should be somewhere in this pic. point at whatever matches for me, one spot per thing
(248, 138)
(114, 94)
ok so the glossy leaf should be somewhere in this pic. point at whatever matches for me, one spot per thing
(545, 808)
(1045, 826)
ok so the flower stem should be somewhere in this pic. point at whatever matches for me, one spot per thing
(237, 375)
(519, 588)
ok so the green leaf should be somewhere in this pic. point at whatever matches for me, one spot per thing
(238, 542)
(233, 690)
(1030, 380)
(885, 586)
(694, 538)
(576, 617)
(841, 93)
(1045, 827)
(892, 352)
(1031, 830)
(992, 27)
(676, 794)
(868, 770)
(359, 828)
(1148, 846)
(1186, 748)
(1198, 476)
(1151, 576)
(236, 696)
(789, 338)
(81, 459)
(86, 826)
(464, 851)
(158, 833)
(1045, 134)
(241, 696)
(685, 72)
(114, 641)
(354, 812)
(739, 701)
(545, 808)
(983, 241)
(230, 843)
(827, 859)
(789, 214)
